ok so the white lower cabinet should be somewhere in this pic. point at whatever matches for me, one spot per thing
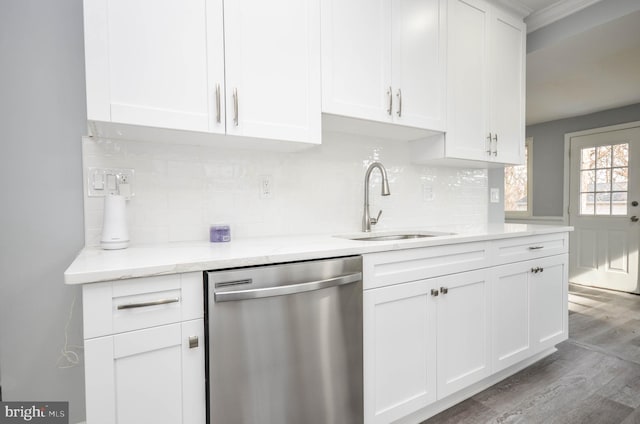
(422, 341)
(399, 350)
(151, 375)
(549, 301)
(529, 308)
(463, 329)
(144, 351)
(428, 340)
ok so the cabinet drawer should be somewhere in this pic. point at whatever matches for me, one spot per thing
(119, 306)
(531, 247)
(387, 268)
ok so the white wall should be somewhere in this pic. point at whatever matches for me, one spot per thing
(180, 189)
(42, 117)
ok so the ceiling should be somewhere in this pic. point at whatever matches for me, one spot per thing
(582, 65)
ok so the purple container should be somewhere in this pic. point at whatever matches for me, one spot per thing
(219, 233)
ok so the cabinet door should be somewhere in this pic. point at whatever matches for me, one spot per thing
(549, 301)
(467, 79)
(149, 375)
(146, 62)
(356, 59)
(399, 351)
(511, 315)
(418, 62)
(272, 63)
(463, 331)
(507, 88)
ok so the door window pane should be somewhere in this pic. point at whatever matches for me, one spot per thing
(621, 155)
(604, 180)
(586, 204)
(603, 204)
(587, 181)
(620, 179)
(604, 157)
(588, 158)
(619, 203)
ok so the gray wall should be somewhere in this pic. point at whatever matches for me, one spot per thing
(42, 117)
(548, 153)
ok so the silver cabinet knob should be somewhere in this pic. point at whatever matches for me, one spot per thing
(193, 342)
(634, 218)
(444, 290)
(434, 292)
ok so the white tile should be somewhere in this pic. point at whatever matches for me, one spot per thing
(181, 190)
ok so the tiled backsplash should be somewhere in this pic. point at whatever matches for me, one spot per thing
(180, 189)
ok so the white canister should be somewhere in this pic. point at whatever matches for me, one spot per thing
(115, 234)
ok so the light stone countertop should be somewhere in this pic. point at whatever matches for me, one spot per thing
(94, 264)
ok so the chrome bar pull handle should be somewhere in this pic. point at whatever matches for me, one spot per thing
(390, 94)
(151, 303)
(489, 144)
(227, 296)
(495, 138)
(235, 107)
(218, 112)
(399, 103)
(536, 247)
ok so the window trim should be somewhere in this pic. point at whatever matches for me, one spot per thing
(528, 142)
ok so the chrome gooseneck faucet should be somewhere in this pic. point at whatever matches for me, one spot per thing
(367, 221)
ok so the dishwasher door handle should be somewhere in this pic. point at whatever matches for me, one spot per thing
(287, 290)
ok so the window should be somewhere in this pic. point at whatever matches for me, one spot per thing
(604, 179)
(517, 186)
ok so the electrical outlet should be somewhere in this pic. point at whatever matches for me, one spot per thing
(103, 181)
(427, 193)
(266, 187)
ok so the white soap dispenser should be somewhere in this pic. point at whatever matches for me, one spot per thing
(115, 234)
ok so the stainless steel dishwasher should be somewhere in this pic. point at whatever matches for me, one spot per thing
(284, 343)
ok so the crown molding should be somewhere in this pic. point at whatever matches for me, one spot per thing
(555, 12)
(515, 6)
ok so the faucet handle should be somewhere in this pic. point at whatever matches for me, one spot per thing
(375, 220)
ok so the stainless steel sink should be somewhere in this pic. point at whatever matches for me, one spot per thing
(391, 236)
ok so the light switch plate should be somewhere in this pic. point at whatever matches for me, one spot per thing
(495, 195)
(103, 181)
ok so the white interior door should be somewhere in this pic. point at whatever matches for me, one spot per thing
(604, 196)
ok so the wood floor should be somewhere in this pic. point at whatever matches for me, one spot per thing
(593, 378)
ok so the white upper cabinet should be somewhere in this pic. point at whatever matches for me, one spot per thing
(467, 79)
(272, 62)
(485, 87)
(507, 88)
(384, 61)
(252, 70)
(146, 62)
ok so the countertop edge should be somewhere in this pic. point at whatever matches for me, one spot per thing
(93, 265)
